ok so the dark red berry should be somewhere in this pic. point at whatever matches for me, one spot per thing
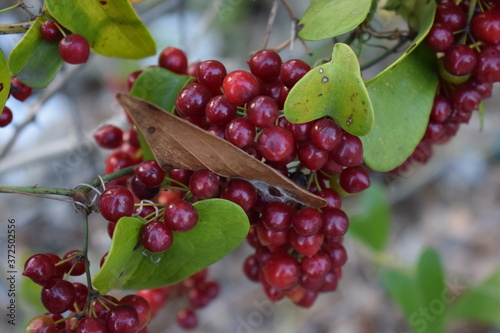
(251, 268)
(180, 216)
(354, 179)
(156, 236)
(122, 319)
(41, 324)
(81, 292)
(204, 184)
(450, 15)
(219, 111)
(108, 136)
(441, 109)
(240, 192)
(312, 157)
(488, 65)
(5, 117)
(292, 71)
(116, 202)
(40, 268)
(486, 26)
(240, 132)
(240, 87)
(50, 32)
(74, 49)
(265, 64)
(211, 73)
(459, 60)
(77, 264)
(306, 245)
(262, 111)
(307, 221)
(19, 90)
(439, 38)
(58, 295)
(277, 216)
(187, 319)
(192, 100)
(142, 307)
(275, 143)
(335, 223)
(349, 151)
(173, 59)
(150, 173)
(281, 271)
(91, 325)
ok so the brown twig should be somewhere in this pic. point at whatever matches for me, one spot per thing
(270, 23)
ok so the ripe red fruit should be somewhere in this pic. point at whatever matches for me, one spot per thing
(173, 59)
(204, 184)
(354, 179)
(180, 216)
(116, 202)
(122, 319)
(58, 295)
(74, 49)
(211, 73)
(486, 26)
(77, 264)
(187, 319)
(41, 324)
(192, 100)
(40, 268)
(292, 71)
(156, 237)
(281, 271)
(50, 32)
(265, 64)
(241, 193)
(142, 307)
(91, 325)
(19, 90)
(275, 143)
(108, 136)
(150, 173)
(5, 117)
(240, 87)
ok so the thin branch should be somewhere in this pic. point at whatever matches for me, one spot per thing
(17, 5)
(15, 28)
(270, 23)
(35, 108)
(294, 21)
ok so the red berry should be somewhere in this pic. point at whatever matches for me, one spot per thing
(451, 15)
(40, 268)
(275, 143)
(204, 184)
(74, 49)
(156, 237)
(173, 59)
(77, 264)
(50, 32)
(240, 87)
(91, 325)
(150, 173)
(240, 192)
(281, 271)
(354, 179)
(142, 307)
(265, 64)
(486, 26)
(211, 73)
(307, 221)
(116, 202)
(292, 71)
(5, 117)
(192, 100)
(459, 60)
(349, 151)
(41, 324)
(276, 216)
(187, 319)
(180, 216)
(108, 136)
(439, 38)
(19, 90)
(240, 132)
(335, 223)
(58, 295)
(219, 111)
(122, 319)
(262, 111)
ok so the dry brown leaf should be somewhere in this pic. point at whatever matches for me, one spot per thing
(178, 144)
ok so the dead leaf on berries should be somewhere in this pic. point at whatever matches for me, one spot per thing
(179, 144)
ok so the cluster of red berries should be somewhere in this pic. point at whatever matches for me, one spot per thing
(73, 48)
(468, 54)
(298, 250)
(85, 310)
(193, 293)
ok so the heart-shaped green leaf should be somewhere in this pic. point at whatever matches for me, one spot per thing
(112, 27)
(402, 99)
(325, 19)
(334, 89)
(4, 81)
(160, 87)
(35, 61)
(222, 226)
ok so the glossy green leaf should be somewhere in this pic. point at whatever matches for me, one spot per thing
(34, 60)
(325, 19)
(222, 226)
(371, 226)
(420, 16)
(480, 303)
(431, 286)
(112, 27)
(402, 288)
(402, 99)
(4, 81)
(160, 87)
(334, 89)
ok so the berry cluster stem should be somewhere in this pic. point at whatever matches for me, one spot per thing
(14, 28)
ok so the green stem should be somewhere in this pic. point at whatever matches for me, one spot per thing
(384, 55)
(86, 260)
(15, 28)
(37, 191)
(17, 5)
(109, 177)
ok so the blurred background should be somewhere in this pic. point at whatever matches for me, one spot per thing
(452, 203)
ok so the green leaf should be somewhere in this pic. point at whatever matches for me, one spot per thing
(4, 81)
(325, 19)
(334, 89)
(160, 87)
(420, 16)
(35, 61)
(431, 286)
(481, 302)
(112, 27)
(402, 99)
(402, 288)
(222, 226)
(372, 225)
